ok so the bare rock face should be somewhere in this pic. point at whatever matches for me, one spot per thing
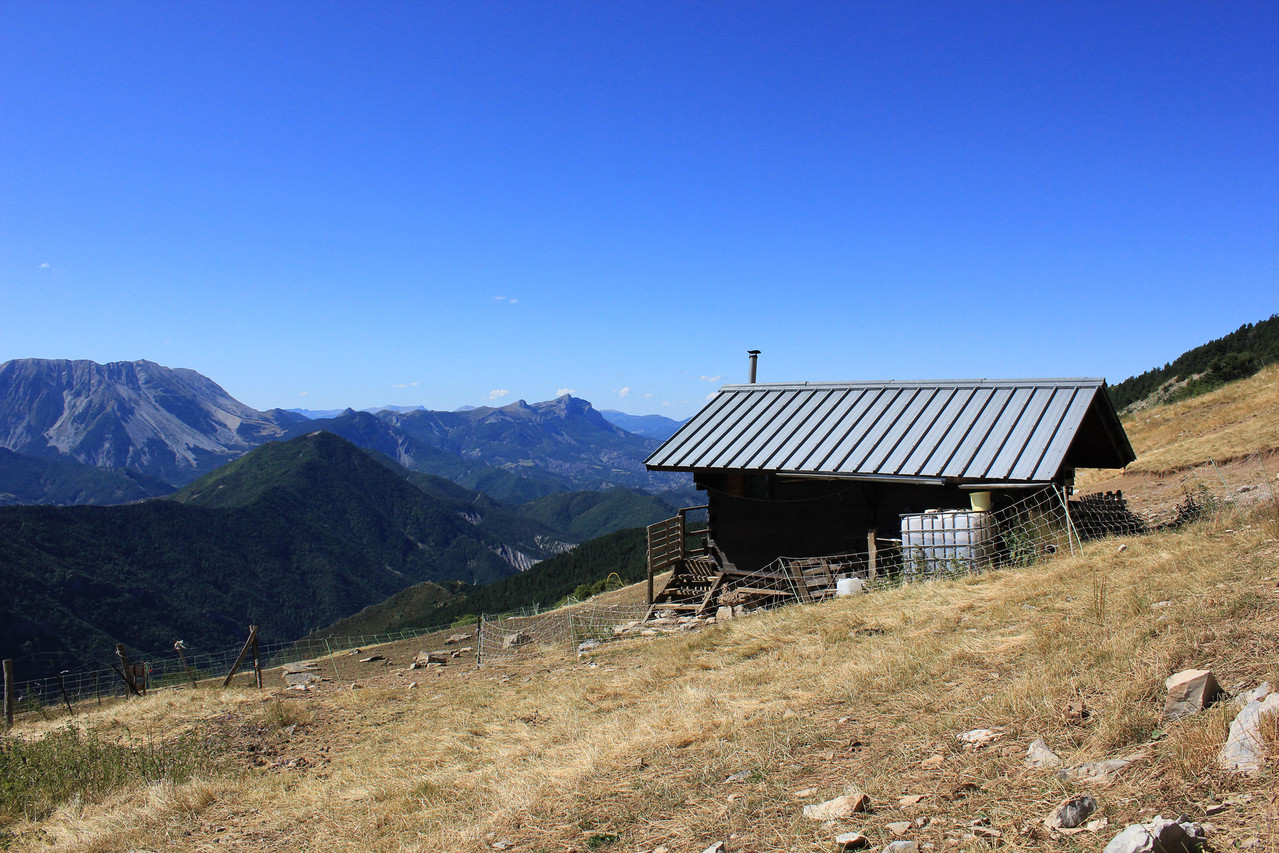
(1189, 692)
(174, 424)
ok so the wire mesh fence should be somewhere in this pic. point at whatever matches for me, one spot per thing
(512, 636)
(171, 669)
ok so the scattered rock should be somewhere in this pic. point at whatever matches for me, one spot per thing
(901, 847)
(588, 646)
(911, 800)
(424, 659)
(1099, 771)
(454, 639)
(852, 841)
(724, 613)
(519, 638)
(1039, 755)
(935, 761)
(372, 658)
(1189, 692)
(1245, 749)
(301, 680)
(1076, 713)
(717, 847)
(977, 738)
(1121, 549)
(1071, 813)
(502, 845)
(839, 807)
(963, 789)
(1158, 836)
(739, 776)
(804, 792)
(900, 827)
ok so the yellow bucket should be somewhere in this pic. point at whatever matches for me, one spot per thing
(980, 501)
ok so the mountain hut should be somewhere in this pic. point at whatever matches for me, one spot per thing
(811, 483)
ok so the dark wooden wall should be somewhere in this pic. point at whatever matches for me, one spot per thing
(756, 518)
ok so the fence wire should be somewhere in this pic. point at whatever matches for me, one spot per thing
(509, 637)
(166, 671)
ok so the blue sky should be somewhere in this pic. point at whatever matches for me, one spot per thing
(321, 204)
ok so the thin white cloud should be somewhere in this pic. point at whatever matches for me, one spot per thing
(711, 395)
(498, 393)
(717, 377)
(405, 385)
(512, 300)
(303, 393)
(499, 298)
(667, 403)
(563, 391)
(44, 266)
(623, 392)
(649, 394)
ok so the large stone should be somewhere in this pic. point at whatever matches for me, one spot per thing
(1189, 692)
(1256, 695)
(1245, 749)
(1158, 836)
(901, 847)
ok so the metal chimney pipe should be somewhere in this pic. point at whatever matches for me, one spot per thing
(754, 354)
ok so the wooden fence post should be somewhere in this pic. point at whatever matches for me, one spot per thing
(8, 693)
(248, 644)
(257, 664)
(63, 688)
(126, 671)
(178, 646)
(872, 553)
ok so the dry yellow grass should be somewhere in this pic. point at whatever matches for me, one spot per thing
(631, 749)
(1237, 420)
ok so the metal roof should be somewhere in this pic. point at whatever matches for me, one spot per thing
(1017, 430)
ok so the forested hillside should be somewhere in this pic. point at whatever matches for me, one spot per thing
(426, 605)
(1235, 356)
(289, 537)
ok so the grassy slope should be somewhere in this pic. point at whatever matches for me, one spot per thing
(558, 754)
(1231, 423)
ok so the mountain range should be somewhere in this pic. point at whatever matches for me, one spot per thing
(174, 425)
